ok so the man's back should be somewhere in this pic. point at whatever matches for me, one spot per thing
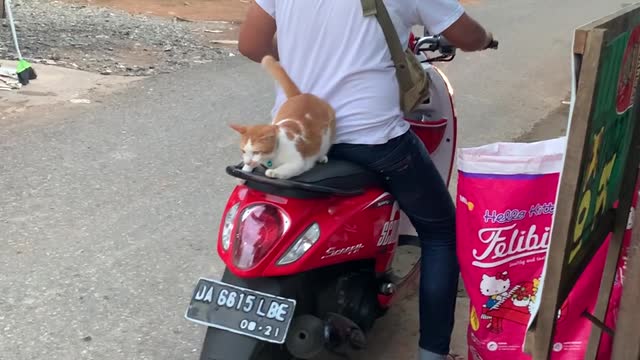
(331, 50)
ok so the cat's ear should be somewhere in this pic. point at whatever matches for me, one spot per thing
(485, 277)
(239, 128)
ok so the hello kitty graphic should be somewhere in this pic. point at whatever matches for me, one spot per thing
(505, 302)
(495, 287)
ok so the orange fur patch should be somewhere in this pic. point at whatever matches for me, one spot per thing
(304, 117)
(263, 137)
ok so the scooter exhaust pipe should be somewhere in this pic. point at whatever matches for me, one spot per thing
(310, 335)
(307, 337)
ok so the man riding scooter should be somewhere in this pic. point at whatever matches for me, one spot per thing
(332, 51)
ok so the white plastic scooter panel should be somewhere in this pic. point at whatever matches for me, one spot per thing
(437, 112)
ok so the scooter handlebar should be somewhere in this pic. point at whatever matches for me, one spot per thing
(440, 43)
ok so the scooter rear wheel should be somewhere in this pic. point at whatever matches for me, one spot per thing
(238, 347)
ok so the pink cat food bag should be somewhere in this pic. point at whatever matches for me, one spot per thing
(573, 329)
(606, 342)
(505, 203)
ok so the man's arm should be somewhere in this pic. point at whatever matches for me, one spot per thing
(449, 18)
(257, 34)
(467, 34)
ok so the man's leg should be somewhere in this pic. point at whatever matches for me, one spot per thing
(414, 181)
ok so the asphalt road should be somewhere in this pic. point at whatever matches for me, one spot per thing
(108, 212)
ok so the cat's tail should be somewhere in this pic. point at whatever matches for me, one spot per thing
(281, 76)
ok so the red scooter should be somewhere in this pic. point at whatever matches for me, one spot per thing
(310, 260)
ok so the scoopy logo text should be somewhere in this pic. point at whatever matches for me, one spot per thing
(508, 243)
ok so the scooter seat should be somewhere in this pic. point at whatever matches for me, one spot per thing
(337, 177)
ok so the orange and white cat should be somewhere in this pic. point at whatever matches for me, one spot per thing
(299, 136)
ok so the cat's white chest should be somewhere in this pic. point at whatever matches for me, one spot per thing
(289, 162)
(287, 151)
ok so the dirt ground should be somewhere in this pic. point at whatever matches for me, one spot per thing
(220, 19)
(193, 10)
(80, 89)
(224, 16)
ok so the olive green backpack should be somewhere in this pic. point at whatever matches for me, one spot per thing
(412, 79)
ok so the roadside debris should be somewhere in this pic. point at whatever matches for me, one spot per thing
(9, 79)
(80, 101)
(24, 70)
(225, 42)
(98, 39)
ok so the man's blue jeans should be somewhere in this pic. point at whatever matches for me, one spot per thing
(412, 178)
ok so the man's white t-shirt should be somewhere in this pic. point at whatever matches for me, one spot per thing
(332, 51)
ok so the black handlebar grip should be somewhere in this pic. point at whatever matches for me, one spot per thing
(443, 42)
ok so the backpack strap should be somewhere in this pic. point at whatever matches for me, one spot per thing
(376, 8)
(369, 7)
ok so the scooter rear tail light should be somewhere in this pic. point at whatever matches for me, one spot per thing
(260, 227)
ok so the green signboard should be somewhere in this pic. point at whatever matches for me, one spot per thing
(599, 173)
(609, 139)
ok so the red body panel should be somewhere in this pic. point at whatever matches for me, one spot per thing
(351, 229)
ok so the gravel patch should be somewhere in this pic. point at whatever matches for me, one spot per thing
(104, 40)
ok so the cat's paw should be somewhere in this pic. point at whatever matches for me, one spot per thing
(272, 174)
(276, 174)
(323, 160)
(247, 168)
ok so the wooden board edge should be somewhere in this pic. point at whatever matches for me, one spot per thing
(607, 20)
(529, 342)
(580, 41)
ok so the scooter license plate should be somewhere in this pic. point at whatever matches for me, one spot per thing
(241, 311)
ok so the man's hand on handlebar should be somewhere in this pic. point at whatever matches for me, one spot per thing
(442, 45)
(492, 43)
(467, 34)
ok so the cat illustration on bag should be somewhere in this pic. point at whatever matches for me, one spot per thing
(505, 302)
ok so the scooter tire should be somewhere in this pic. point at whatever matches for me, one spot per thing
(220, 345)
